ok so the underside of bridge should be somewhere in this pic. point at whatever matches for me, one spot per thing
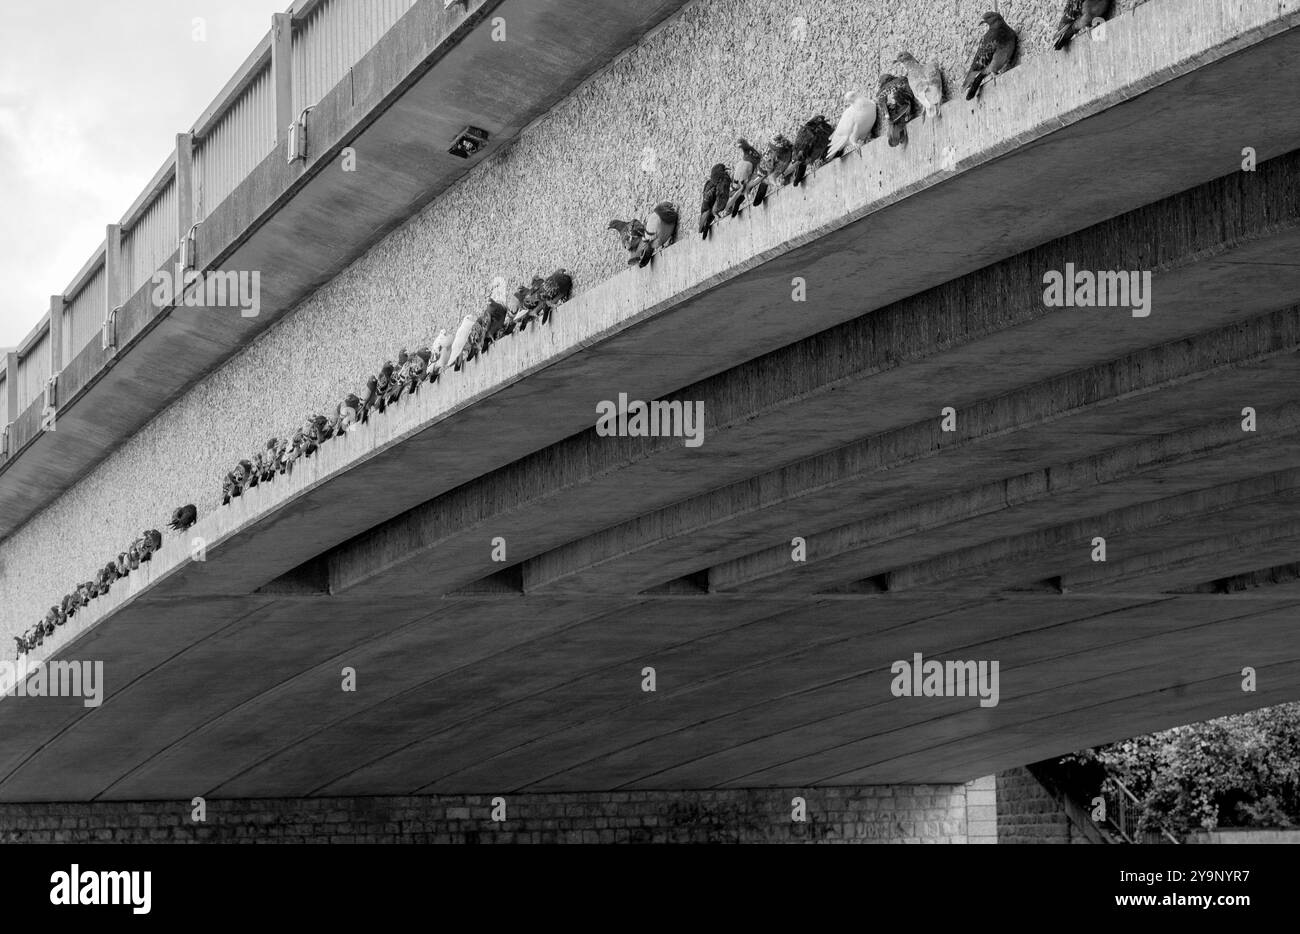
(905, 450)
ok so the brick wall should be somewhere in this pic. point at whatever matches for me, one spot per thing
(1028, 813)
(872, 814)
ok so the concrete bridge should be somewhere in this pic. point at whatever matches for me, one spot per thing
(906, 449)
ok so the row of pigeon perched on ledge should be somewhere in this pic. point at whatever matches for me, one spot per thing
(535, 302)
(141, 551)
(726, 193)
(920, 88)
(531, 303)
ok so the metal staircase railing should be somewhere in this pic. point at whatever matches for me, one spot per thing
(1124, 815)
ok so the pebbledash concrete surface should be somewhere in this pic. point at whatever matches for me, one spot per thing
(824, 425)
(717, 71)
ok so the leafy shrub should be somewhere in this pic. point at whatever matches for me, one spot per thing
(1237, 771)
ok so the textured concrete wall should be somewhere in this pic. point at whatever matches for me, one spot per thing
(873, 814)
(1027, 812)
(721, 68)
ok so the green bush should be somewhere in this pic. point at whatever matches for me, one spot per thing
(1238, 771)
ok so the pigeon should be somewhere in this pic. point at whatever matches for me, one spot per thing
(1078, 16)
(183, 517)
(660, 231)
(771, 168)
(810, 145)
(488, 326)
(123, 567)
(284, 455)
(895, 101)
(855, 125)
(317, 430)
(103, 582)
(150, 542)
(417, 368)
(256, 468)
(438, 358)
(229, 488)
(555, 291)
(460, 340)
(372, 398)
(717, 188)
(306, 436)
(244, 475)
(926, 82)
(661, 225)
(631, 234)
(494, 319)
(390, 387)
(528, 303)
(741, 175)
(294, 451)
(271, 464)
(519, 310)
(348, 413)
(993, 56)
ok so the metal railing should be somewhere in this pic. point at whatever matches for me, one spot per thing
(84, 313)
(148, 241)
(235, 143)
(229, 140)
(331, 37)
(1124, 814)
(33, 371)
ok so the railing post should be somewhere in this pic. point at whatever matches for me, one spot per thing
(11, 387)
(56, 334)
(112, 277)
(282, 72)
(184, 184)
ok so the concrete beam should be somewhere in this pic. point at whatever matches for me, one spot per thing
(842, 553)
(1027, 558)
(682, 538)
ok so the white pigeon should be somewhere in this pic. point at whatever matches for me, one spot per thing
(459, 341)
(441, 351)
(854, 127)
(926, 82)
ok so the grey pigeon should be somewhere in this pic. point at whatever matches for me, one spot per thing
(1078, 16)
(717, 189)
(926, 82)
(741, 175)
(993, 55)
(183, 517)
(555, 291)
(771, 168)
(809, 148)
(895, 101)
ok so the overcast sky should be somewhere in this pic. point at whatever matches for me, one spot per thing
(92, 95)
